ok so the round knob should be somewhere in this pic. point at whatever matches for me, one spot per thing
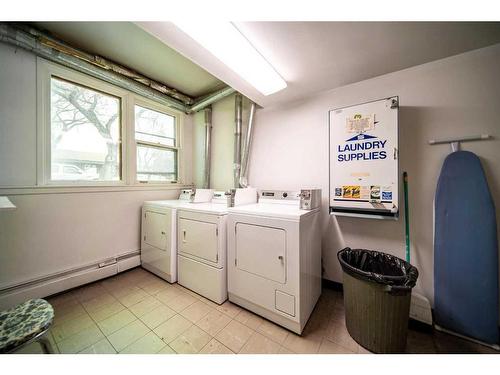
(285, 195)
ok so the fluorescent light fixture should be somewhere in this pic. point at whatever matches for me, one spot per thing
(231, 47)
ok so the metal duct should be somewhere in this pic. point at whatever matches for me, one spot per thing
(243, 181)
(63, 47)
(46, 46)
(77, 60)
(210, 99)
(238, 118)
(208, 145)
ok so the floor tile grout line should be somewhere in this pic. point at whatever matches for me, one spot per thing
(339, 344)
(116, 330)
(330, 310)
(176, 337)
(107, 336)
(193, 323)
(104, 338)
(233, 319)
(132, 341)
(150, 331)
(206, 331)
(164, 348)
(80, 303)
(208, 312)
(55, 313)
(253, 334)
(55, 343)
(76, 333)
(179, 313)
(198, 297)
(214, 338)
(100, 330)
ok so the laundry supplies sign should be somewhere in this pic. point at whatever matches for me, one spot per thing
(364, 159)
(356, 150)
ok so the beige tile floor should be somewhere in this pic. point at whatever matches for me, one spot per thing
(137, 312)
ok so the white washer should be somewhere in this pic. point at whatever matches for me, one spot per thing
(274, 258)
(159, 236)
(201, 233)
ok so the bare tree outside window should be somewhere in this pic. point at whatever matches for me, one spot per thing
(85, 133)
(86, 137)
(155, 134)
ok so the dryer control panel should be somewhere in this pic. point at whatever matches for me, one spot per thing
(283, 195)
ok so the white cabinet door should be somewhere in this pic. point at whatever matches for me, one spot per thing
(155, 229)
(198, 239)
(261, 250)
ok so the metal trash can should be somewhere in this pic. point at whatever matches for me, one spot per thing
(377, 295)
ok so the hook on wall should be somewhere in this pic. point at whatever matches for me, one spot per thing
(455, 142)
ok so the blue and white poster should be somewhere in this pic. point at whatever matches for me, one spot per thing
(364, 159)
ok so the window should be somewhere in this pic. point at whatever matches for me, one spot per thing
(93, 134)
(85, 136)
(156, 138)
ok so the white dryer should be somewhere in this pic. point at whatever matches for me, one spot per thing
(159, 236)
(201, 233)
(274, 258)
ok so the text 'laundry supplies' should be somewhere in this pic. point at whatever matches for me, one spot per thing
(348, 152)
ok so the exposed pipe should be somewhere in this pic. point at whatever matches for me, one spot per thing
(238, 118)
(208, 145)
(31, 43)
(246, 148)
(28, 42)
(210, 99)
(46, 46)
(63, 47)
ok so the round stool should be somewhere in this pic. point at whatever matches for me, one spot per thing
(24, 324)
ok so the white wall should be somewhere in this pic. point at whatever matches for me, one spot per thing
(451, 97)
(17, 117)
(49, 233)
(53, 232)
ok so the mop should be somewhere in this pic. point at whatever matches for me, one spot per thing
(420, 308)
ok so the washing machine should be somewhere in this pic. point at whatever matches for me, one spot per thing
(159, 236)
(274, 256)
(201, 257)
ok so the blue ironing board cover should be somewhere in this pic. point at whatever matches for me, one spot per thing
(465, 250)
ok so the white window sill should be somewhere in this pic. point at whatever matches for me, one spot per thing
(52, 189)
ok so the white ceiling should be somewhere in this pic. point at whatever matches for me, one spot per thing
(318, 56)
(129, 45)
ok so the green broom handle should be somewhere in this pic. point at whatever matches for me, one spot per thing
(407, 216)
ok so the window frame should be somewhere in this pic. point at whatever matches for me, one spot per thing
(153, 106)
(128, 153)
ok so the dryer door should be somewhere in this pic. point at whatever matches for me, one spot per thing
(198, 239)
(261, 251)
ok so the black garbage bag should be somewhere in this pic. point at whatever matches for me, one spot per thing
(378, 267)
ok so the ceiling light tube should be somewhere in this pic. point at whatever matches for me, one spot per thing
(231, 47)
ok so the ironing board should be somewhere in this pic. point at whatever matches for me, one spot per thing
(465, 250)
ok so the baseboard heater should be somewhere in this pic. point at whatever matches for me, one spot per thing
(11, 295)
